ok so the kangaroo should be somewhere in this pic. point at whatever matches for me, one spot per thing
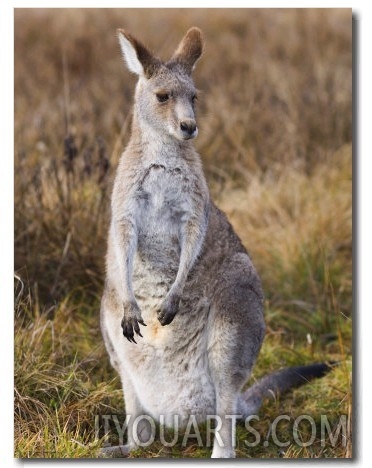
(182, 308)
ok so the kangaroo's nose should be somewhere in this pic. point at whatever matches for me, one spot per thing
(188, 128)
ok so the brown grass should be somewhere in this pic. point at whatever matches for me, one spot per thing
(275, 138)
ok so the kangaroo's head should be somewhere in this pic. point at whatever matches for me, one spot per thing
(165, 93)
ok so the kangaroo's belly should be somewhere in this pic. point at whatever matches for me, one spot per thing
(169, 365)
(168, 368)
(176, 393)
(173, 382)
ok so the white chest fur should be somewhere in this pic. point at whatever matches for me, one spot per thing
(164, 202)
(164, 193)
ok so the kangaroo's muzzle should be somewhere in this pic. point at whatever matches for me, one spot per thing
(188, 129)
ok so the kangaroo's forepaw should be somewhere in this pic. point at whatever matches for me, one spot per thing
(169, 309)
(131, 320)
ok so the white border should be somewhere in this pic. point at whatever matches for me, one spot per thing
(363, 229)
(6, 233)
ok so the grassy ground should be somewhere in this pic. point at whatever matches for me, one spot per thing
(275, 138)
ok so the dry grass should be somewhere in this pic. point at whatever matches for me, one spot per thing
(275, 138)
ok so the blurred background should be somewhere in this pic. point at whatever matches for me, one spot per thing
(275, 135)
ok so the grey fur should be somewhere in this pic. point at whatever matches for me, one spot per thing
(175, 264)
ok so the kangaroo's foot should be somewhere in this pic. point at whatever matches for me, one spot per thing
(117, 451)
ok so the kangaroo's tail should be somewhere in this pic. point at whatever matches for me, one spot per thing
(278, 383)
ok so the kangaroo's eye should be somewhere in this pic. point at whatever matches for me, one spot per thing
(162, 97)
(194, 98)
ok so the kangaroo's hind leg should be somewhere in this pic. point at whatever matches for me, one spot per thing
(138, 429)
(236, 334)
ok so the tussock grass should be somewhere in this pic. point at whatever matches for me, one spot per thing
(60, 382)
(275, 138)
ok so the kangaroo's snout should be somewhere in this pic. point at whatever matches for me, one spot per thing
(188, 128)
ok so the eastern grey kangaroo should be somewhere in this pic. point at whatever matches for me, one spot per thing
(182, 309)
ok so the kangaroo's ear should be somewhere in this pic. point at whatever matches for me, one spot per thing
(189, 50)
(138, 59)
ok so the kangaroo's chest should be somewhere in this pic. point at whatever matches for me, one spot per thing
(164, 194)
(164, 204)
